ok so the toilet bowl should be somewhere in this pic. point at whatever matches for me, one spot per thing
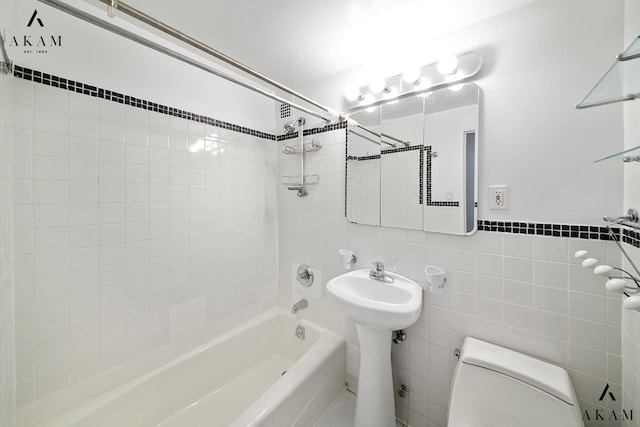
(495, 386)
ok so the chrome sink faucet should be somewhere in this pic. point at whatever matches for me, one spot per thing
(378, 273)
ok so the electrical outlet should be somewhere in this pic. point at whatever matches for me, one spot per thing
(498, 197)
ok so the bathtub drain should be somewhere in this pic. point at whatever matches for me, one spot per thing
(283, 372)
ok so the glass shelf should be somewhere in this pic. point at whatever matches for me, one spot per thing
(613, 87)
(617, 154)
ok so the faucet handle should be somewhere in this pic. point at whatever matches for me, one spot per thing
(378, 265)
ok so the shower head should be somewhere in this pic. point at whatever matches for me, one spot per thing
(291, 126)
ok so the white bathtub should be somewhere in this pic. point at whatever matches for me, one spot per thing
(235, 380)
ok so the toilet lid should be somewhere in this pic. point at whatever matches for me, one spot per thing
(542, 375)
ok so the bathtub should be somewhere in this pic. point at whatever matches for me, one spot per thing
(258, 374)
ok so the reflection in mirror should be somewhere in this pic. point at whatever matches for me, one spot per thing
(450, 127)
(401, 165)
(417, 167)
(363, 168)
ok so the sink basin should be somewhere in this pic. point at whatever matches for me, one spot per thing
(377, 308)
(376, 304)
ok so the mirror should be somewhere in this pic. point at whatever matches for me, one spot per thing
(363, 168)
(413, 163)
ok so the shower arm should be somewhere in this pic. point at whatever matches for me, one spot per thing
(329, 114)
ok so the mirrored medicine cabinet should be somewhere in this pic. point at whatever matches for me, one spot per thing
(413, 163)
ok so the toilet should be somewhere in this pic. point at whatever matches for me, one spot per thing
(498, 387)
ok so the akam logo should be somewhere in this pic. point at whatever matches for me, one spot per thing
(35, 43)
(607, 414)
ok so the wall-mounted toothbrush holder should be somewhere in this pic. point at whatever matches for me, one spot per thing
(347, 258)
(436, 278)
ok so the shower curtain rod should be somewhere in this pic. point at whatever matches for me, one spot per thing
(142, 17)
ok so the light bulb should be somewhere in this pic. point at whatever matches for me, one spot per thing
(352, 93)
(589, 262)
(412, 76)
(602, 270)
(378, 86)
(615, 285)
(448, 65)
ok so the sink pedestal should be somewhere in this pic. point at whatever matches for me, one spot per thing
(375, 406)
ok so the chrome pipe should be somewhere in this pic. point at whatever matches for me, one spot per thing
(620, 57)
(379, 135)
(393, 138)
(366, 137)
(134, 13)
(161, 26)
(5, 56)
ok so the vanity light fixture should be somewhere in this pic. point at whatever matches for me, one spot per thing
(447, 72)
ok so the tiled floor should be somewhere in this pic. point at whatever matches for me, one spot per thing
(342, 412)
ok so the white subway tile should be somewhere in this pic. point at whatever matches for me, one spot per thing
(49, 144)
(554, 249)
(551, 325)
(45, 192)
(50, 120)
(590, 334)
(551, 299)
(49, 167)
(551, 274)
(588, 306)
(83, 126)
(83, 148)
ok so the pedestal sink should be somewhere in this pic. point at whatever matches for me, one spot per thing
(378, 308)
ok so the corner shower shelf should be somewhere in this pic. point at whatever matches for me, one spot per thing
(309, 146)
(295, 182)
(611, 87)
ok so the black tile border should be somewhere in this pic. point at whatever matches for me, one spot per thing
(362, 158)
(631, 237)
(313, 131)
(97, 92)
(94, 91)
(590, 232)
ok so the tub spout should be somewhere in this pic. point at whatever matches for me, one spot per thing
(303, 303)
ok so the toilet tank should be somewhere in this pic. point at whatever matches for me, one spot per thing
(495, 386)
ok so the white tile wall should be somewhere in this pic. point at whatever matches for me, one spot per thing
(523, 292)
(139, 236)
(631, 352)
(7, 314)
(630, 319)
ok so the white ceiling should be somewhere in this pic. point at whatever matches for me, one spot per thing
(297, 42)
